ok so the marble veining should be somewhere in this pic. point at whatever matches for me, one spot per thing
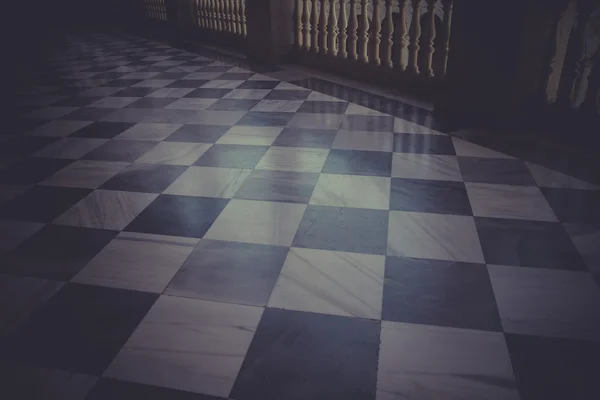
(251, 135)
(174, 153)
(187, 344)
(293, 159)
(278, 106)
(371, 192)
(247, 94)
(85, 174)
(426, 166)
(106, 209)
(209, 182)
(348, 284)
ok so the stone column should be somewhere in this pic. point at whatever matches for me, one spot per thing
(270, 26)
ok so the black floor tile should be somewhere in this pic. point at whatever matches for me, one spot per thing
(232, 156)
(148, 178)
(358, 162)
(236, 76)
(343, 229)
(187, 83)
(570, 205)
(171, 75)
(496, 171)
(151, 102)
(254, 118)
(239, 273)
(112, 389)
(287, 94)
(124, 83)
(442, 197)
(443, 293)
(120, 150)
(77, 101)
(258, 85)
(297, 137)
(233, 105)
(555, 369)
(31, 170)
(178, 216)
(296, 355)
(41, 203)
(135, 92)
(368, 123)
(24, 145)
(323, 107)
(423, 144)
(198, 133)
(80, 329)
(527, 243)
(286, 186)
(88, 114)
(207, 93)
(102, 130)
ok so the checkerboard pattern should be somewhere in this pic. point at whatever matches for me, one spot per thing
(175, 227)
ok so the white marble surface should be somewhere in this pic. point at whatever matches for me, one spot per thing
(468, 149)
(251, 135)
(420, 362)
(222, 84)
(209, 182)
(187, 344)
(174, 153)
(355, 109)
(106, 209)
(357, 191)
(404, 126)
(247, 94)
(145, 131)
(170, 92)
(191, 104)
(289, 86)
(70, 148)
(426, 166)
(586, 239)
(316, 121)
(544, 302)
(59, 128)
(113, 102)
(298, 159)
(278, 106)
(317, 96)
(509, 202)
(546, 177)
(330, 282)
(154, 83)
(203, 75)
(85, 174)
(137, 261)
(257, 222)
(433, 236)
(364, 140)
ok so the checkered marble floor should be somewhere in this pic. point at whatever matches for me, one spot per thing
(175, 227)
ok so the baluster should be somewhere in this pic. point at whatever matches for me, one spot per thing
(237, 29)
(199, 12)
(353, 30)
(388, 41)
(375, 40)
(210, 22)
(306, 24)
(333, 28)
(243, 16)
(563, 31)
(232, 16)
(343, 27)
(323, 28)
(314, 28)
(431, 34)
(202, 13)
(298, 22)
(415, 35)
(580, 43)
(448, 6)
(220, 16)
(364, 35)
(226, 16)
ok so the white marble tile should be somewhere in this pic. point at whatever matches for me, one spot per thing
(298, 159)
(146, 131)
(404, 126)
(260, 222)
(468, 149)
(154, 83)
(171, 92)
(289, 86)
(203, 75)
(355, 109)
(316, 121)
(209, 182)
(426, 166)
(188, 344)
(317, 96)
(49, 112)
(191, 104)
(239, 70)
(356, 191)
(433, 236)
(364, 140)
(222, 84)
(85, 174)
(106, 209)
(544, 302)
(251, 135)
(174, 153)
(260, 77)
(430, 362)
(586, 239)
(330, 282)
(546, 177)
(510, 202)
(278, 106)
(137, 261)
(113, 102)
(71, 148)
(247, 94)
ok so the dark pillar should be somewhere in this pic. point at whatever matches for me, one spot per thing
(270, 27)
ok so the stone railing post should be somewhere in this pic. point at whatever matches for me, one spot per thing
(270, 30)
